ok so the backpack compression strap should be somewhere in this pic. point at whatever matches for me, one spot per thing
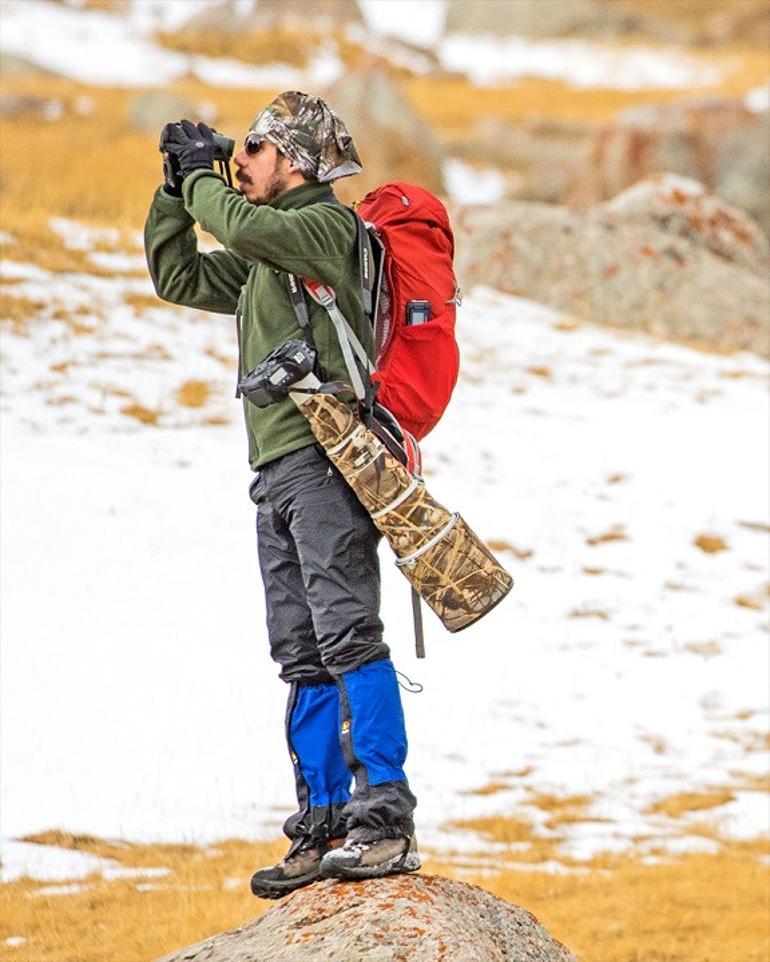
(349, 342)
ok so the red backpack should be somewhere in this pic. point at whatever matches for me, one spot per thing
(417, 364)
(411, 296)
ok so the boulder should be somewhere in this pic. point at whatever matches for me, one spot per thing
(742, 170)
(12, 66)
(231, 18)
(393, 139)
(744, 22)
(715, 22)
(29, 106)
(663, 257)
(683, 207)
(150, 110)
(546, 154)
(565, 18)
(419, 918)
(716, 140)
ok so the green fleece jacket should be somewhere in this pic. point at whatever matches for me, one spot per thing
(301, 232)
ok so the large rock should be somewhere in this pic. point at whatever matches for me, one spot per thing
(715, 140)
(546, 154)
(150, 110)
(744, 22)
(394, 140)
(417, 918)
(560, 18)
(742, 169)
(718, 21)
(29, 106)
(664, 257)
(12, 66)
(232, 18)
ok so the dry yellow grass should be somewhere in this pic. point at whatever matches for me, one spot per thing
(193, 394)
(277, 45)
(695, 908)
(140, 413)
(563, 810)
(144, 302)
(16, 311)
(695, 13)
(752, 783)
(492, 788)
(682, 803)
(451, 103)
(710, 543)
(501, 828)
(615, 533)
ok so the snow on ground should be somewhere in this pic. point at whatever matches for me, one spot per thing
(758, 99)
(118, 49)
(138, 698)
(416, 23)
(51, 863)
(488, 60)
(467, 184)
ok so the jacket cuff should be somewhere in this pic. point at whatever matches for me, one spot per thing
(170, 204)
(193, 177)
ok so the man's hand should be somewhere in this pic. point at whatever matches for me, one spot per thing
(187, 148)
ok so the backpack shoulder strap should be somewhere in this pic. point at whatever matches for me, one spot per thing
(366, 258)
(326, 297)
(367, 268)
(349, 342)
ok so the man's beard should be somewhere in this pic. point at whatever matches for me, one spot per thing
(275, 186)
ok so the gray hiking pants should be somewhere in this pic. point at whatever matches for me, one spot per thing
(318, 556)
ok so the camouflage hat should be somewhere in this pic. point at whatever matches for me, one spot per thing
(308, 131)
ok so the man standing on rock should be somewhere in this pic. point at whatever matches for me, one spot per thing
(317, 545)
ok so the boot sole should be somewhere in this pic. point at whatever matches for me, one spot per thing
(411, 863)
(277, 890)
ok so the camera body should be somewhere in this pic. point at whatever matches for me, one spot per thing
(272, 379)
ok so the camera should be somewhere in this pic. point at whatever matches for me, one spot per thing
(272, 379)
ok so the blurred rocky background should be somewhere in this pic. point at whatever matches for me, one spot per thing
(529, 116)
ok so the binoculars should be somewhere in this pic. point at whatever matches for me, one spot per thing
(225, 146)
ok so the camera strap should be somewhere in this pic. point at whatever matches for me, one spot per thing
(300, 307)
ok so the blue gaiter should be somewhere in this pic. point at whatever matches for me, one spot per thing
(321, 775)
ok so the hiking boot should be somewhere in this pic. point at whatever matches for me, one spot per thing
(385, 856)
(301, 866)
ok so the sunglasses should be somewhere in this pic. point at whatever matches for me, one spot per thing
(253, 144)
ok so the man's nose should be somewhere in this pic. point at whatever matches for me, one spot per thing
(241, 158)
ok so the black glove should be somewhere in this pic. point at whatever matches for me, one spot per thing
(188, 148)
